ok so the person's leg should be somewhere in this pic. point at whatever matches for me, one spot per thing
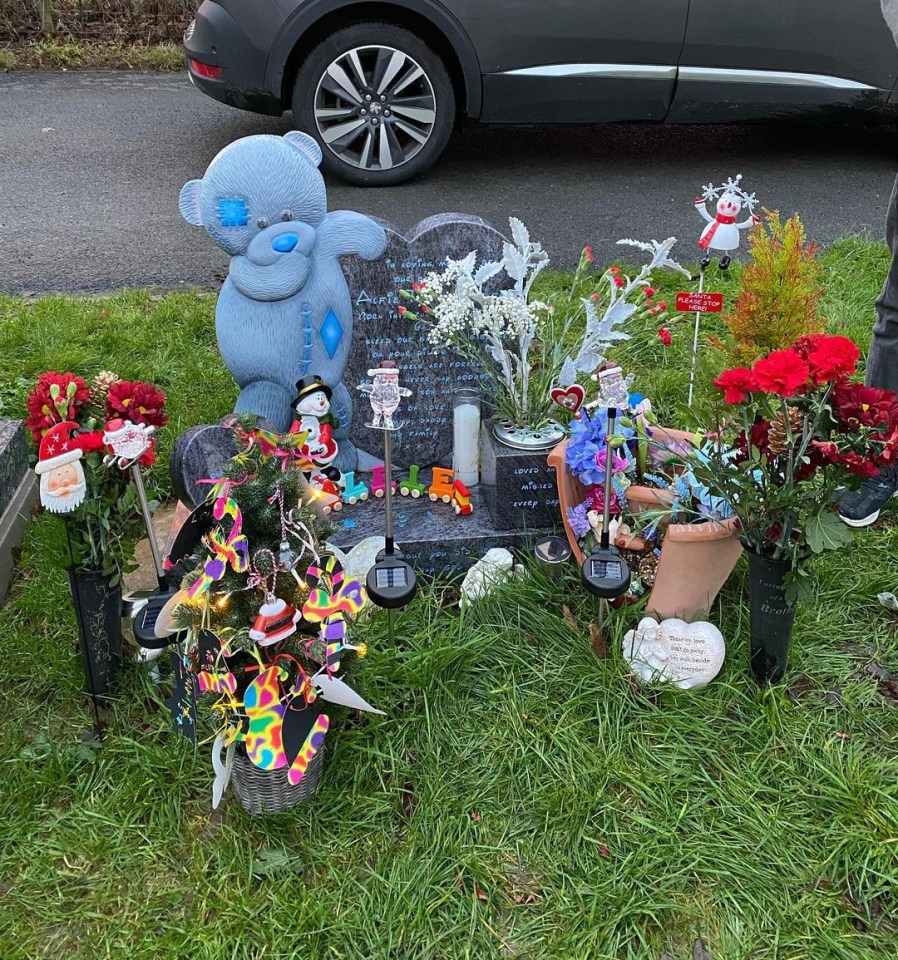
(882, 363)
(862, 507)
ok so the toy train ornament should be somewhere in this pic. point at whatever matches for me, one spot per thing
(333, 490)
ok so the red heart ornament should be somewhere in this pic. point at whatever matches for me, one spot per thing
(570, 399)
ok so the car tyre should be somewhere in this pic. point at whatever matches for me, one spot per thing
(378, 100)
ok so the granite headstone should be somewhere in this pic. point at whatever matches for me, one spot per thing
(380, 333)
(18, 495)
(432, 538)
(13, 459)
(199, 453)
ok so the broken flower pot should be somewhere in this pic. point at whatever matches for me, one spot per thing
(696, 558)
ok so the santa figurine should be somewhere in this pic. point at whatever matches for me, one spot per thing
(722, 232)
(312, 406)
(127, 441)
(384, 394)
(63, 484)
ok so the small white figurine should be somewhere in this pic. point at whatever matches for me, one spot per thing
(722, 232)
(491, 569)
(127, 441)
(384, 395)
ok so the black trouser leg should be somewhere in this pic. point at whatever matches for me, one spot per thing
(882, 363)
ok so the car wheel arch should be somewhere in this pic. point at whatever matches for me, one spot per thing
(314, 21)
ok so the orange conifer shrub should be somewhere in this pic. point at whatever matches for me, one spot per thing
(779, 294)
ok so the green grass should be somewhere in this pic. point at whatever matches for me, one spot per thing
(106, 55)
(521, 798)
(50, 54)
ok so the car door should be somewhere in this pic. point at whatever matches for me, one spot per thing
(575, 61)
(772, 58)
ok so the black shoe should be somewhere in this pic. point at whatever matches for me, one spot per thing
(861, 507)
(706, 262)
(724, 263)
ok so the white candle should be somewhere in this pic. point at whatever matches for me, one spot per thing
(466, 443)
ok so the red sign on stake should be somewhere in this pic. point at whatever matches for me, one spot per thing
(699, 302)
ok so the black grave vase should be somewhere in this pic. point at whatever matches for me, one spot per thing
(98, 610)
(772, 617)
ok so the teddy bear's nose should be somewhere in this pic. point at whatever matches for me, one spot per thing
(285, 242)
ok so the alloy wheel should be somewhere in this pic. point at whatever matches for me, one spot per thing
(375, 107)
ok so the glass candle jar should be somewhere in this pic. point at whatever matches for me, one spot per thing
(466, 436)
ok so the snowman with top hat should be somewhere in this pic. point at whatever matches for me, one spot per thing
(722, 232)
(312, 409)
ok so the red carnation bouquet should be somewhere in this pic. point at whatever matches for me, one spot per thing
(794, 429)
(106, 521)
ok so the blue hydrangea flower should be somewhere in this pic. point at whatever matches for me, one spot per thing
(576, 517)
(587, 440)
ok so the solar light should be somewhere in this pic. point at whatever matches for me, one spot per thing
(604, 572)
(613, 387)
(391, 582)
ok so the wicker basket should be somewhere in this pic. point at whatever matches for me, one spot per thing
(269, 791)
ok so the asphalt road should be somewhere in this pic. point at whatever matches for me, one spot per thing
(91, 165)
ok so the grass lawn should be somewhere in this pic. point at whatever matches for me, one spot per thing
(112, 55)
(521, 799)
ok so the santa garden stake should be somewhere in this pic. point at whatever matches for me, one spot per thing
(128, 442)
(63, 484)
(63, 487)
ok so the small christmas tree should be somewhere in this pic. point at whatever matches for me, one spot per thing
(265, 609)
(779, 296)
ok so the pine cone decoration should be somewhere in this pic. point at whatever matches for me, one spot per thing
(102, 384)
(778, 437)
(648, 568)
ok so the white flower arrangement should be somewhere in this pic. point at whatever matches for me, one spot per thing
(499, 330)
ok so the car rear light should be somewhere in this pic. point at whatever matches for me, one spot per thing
(205, 69)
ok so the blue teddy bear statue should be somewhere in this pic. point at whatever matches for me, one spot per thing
(285, 310)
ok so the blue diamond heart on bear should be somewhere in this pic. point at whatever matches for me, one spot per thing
(331, 333)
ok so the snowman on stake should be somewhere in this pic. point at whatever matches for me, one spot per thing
(722, 232)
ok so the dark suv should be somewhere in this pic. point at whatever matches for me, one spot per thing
(380, 85)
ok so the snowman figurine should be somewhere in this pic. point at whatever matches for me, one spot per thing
(312, 406)
(384, 395)
(722, 232)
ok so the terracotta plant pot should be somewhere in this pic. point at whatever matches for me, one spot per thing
(696, 558)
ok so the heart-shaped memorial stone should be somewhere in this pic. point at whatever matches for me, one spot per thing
(688, 655)
(381, 333)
